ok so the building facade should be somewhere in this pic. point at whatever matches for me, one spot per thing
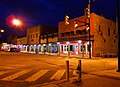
(103, 36)
(75, 39)
(41, 39)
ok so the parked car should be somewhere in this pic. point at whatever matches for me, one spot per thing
(14, 50)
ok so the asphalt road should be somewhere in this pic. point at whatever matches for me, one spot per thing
(23, 70)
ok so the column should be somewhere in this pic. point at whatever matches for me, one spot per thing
(30, 49)
(78, 48)
(68, 49)
(83, 49)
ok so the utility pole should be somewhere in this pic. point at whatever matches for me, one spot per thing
(117, 27)
(89, 29)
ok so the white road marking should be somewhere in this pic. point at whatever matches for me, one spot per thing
(36, 75)
(58, 75)
(16, 75)
(3, 72)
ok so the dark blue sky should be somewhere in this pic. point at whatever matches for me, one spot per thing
(49, 12)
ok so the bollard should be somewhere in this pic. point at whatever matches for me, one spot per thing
(67, 70)
(79, 71)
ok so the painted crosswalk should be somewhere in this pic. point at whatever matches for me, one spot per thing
(3, 72)
(36, 75)
(16, 75)
(57, 75)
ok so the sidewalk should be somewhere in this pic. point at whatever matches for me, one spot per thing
(109, 78)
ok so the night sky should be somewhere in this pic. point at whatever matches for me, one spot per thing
(48, 12)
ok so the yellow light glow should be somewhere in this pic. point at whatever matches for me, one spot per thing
(1, 30)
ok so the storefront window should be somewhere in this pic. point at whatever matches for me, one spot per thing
(83, 48)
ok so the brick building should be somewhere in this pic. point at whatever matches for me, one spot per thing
(103, 37)
(39, 37)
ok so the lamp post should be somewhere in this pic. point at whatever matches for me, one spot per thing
(1, 31)
(89, 27)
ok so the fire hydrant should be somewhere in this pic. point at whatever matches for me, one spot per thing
(78, 71)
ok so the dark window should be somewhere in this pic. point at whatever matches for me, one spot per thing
(55, 35)
(82, 48)
(104, 40)
(78, 32)
(72, 48)
(52, 35)
(62, 47)
(36, 35)
(72, 33)
(62, 34)
(114, 31)
(67, 33)
(114, 41)
(108, 31)
(84, 31)
(31, 36)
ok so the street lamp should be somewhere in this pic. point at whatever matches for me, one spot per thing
(88, 17)
(16, 22)
(1, 31)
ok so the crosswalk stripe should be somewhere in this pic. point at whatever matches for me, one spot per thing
(58, 75)
(13, 76)
(36, 75)
(3, 72)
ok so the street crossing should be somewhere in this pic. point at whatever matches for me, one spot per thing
(36, 75)
(16, 75)
(57, 75)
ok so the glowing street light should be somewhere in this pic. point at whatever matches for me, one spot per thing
(2, 31)
(16, 22)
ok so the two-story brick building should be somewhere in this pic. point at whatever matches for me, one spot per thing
(75, 40)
